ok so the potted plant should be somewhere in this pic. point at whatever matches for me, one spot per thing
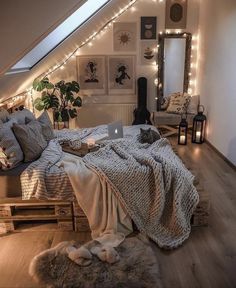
(61, 97)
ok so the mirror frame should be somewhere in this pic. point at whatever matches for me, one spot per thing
(161, 63)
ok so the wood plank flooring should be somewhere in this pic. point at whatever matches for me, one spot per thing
(206, 260)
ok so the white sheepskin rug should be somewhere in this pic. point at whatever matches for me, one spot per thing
(135, 266)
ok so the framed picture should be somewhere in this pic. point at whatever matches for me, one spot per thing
(92, 74)
(121, 74)
(148, 28)
(124, 36)
(148, 52)
(176, 14)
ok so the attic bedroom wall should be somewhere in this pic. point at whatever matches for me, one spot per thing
(101, 109)
(217, 73)
(25, 22)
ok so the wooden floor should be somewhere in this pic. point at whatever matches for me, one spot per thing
(207, 258)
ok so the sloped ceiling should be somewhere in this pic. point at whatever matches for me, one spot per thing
(11, 85)
(23, 23)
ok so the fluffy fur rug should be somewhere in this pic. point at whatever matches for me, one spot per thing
(137, 268)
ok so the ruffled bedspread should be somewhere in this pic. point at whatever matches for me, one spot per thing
(150, 182)
(153, 185)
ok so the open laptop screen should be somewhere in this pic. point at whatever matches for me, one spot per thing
(115, 130)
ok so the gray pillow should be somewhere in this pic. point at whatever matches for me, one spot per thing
(4, 115)
(21, 115)
(31, 139)
(47, 128)
(10, 150)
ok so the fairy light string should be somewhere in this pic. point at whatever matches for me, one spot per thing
(87, 41)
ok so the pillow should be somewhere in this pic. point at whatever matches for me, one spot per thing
(31, 139)
(10, 150)
(166, 100)
(21, 115)
(178, 104)
(4, 115)
(193, 104)
(47, 128)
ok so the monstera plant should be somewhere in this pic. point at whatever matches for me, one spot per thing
(61, 97)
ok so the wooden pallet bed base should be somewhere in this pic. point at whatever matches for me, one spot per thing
(68, 216)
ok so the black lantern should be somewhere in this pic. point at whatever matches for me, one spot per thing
(199, 126)
(183, 130)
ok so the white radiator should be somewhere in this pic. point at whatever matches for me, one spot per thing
(97, 114)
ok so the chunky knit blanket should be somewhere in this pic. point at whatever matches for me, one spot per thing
(153, 185)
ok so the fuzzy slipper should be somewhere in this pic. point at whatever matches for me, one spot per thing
(106, 254)
(80, 256)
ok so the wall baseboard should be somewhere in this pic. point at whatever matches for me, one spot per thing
(221, 155)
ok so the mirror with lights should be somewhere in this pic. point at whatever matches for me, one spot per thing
(174, 55)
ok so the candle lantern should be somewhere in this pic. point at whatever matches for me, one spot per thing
(199, 126)
(183, 130)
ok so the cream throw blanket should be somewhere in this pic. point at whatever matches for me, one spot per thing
(153, 185)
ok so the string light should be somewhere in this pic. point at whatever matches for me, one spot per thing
(85, 42)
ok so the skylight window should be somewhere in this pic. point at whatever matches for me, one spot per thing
(64, 30)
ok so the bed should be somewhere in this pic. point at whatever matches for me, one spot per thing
(123, 182)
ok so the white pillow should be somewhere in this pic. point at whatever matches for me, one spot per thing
(178, 103)
(10, 151)
(166, 100)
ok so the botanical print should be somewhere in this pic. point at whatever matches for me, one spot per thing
(148, 27)
(124, 36)
(91, 73)
(148, 52)
(121, 75)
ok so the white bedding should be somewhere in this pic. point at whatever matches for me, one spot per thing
(59, 175)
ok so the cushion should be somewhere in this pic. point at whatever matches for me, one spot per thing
(10, 150)
(31, 139)
(3, 115)
(166, 101)
(21, 115)
(178, 103)
(193, 104)
(47, 128)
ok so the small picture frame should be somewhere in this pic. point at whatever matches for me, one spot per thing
(121, 74)
(92, 74)
(176, 14)
(148, 28)
(124, 36)
(148, 52)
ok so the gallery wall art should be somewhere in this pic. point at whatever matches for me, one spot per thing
(121, 74)
(147, 52)
(92, 74)
(148, 28)
(176, 14)
(124, 36)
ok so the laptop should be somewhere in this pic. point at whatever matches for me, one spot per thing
(115, 130)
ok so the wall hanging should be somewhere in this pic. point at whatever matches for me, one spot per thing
(124, 36)
(148, 28)
(121, 74)
(176, 14)
(147, 52)
(92, 74)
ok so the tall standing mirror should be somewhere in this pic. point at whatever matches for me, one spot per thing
(173, 64)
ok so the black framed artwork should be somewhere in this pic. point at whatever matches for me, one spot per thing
(148, 28)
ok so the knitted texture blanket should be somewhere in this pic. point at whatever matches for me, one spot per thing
(153, 185)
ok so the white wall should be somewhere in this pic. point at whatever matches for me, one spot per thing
(217, 73)
(24, 22)
(13, 84)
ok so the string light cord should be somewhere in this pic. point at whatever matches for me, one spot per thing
(73, 53)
